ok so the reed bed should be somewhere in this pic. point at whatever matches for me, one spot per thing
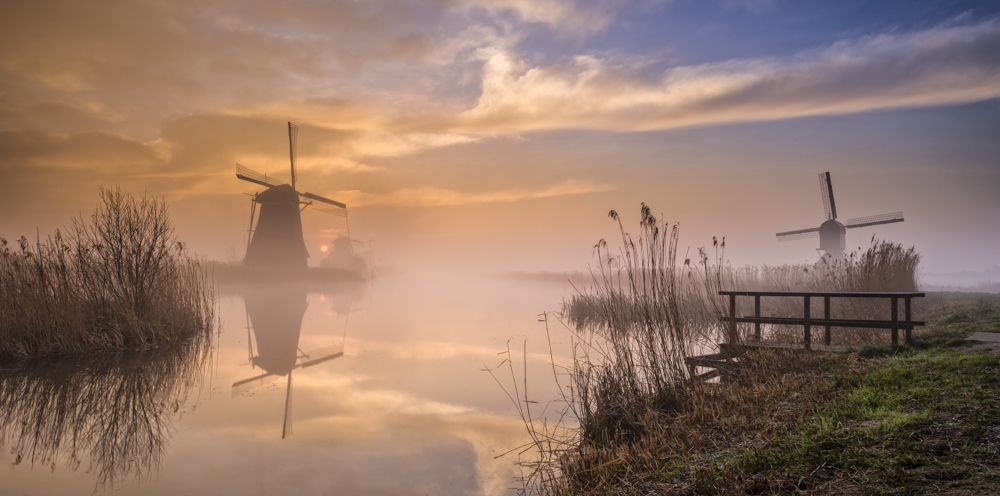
(118, 281)
(632, 405)
(884, 266)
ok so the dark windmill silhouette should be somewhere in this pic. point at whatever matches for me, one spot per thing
(832, 233)
(277, 241)
(274, 315)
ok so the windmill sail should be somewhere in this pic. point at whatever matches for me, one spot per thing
(248, 174)
(286, 423)
(874, 220)
(293, 147)
(826, 190)
(250, 384)
(326, 205)
(799, 234)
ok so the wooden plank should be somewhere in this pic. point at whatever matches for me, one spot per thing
(794, 346)
(988, 337)
(795, 321)
(857, 294)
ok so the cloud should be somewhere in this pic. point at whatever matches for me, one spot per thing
(563, 15)
(943, 65)
(94, 151)
(440, 197)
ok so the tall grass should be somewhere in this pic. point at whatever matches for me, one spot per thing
(884, 266)
(646, 317)
(120, 280)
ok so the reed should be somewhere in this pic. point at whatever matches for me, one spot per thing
(884, 266)
(118, 281)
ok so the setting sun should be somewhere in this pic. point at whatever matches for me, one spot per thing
(323, 248)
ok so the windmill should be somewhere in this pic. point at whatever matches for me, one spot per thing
(274, 315)
(277, 241)
(832, 233)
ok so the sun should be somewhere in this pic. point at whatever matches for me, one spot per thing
(323, 248)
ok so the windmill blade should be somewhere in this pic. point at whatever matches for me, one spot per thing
(324, 200)
(248, 174)
(826, 190)
(256, 382)
(326, 205)
(322, 207)
(322, 355)
(874, 220)
(293, 147)
(800, 234)
(286, 424)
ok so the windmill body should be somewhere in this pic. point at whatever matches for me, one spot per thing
(832, 236)
(276, 316)
(276, 241)
(832, 233)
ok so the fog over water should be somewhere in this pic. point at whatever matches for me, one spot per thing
(407, 408)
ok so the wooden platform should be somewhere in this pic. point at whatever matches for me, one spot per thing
(726, 361)
(790, 346)
(987, 337)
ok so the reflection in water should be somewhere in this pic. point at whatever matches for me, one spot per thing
(113, 412)
(274, 316)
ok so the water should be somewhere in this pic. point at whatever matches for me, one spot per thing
(381, 390)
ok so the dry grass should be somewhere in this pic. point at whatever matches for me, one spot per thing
(119, 281)
(632, 407)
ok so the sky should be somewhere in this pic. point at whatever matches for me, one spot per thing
(495, 135)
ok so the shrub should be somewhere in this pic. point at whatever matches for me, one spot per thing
(120, 281)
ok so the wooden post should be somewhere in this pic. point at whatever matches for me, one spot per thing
(756, 314)
(826, 315)
(732, 319)
(906, 313)
(807, 325)
(895, 321)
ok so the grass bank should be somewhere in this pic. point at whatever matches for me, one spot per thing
(923, 419)
(639, 423)
(117, 281)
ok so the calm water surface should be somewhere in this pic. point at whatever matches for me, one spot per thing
(374, 388)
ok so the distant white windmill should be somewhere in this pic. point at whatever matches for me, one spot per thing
(832, 234)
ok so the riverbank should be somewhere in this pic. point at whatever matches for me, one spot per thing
(914, 420)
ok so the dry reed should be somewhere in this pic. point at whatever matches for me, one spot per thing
(120, 281)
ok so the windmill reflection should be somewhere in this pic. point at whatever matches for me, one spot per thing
(274, 318)
(113, 412)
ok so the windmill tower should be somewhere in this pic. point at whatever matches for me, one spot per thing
(832, 234)
(276, 241)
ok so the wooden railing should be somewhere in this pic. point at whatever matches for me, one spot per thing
(807, 321)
